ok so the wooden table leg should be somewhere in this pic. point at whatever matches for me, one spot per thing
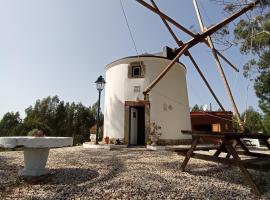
(190, 152)
(234, 143)
(245, 172)
(243, 146)
(220, 149)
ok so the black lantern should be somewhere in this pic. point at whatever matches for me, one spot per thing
(100, 83)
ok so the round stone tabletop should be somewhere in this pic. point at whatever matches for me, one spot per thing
(35, 142)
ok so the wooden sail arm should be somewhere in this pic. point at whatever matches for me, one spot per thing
(226, 60)
(179, 42)
(202, 26)
(199, 38)
(223, 23)
(182, 50)
(166, 18)
(223, 76)
(205, 81)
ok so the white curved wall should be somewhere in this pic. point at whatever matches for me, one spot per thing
(170, 92)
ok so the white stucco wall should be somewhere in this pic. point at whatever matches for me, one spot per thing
(170, 92)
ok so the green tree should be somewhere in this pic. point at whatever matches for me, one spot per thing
(252, 121)
(196, 108)
(94, 110)
(11, 125)
(266, 124)
(54, 118)
(235, 125)
(57, 118)
(255, 38)
(252, 34)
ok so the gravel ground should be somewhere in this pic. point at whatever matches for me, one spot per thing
(77, 173)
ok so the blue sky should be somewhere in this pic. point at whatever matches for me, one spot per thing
(50, 47)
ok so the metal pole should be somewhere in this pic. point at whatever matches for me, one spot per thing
(99, 93)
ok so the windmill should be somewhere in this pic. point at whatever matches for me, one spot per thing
(204, 37)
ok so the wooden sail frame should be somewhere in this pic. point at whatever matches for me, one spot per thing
(204, 37)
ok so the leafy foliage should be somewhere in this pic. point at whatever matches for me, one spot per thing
(252, 34)
(259, 67)
(252, 121)
(54, 118)
(196, 108)
(266, 123)
(11, 124)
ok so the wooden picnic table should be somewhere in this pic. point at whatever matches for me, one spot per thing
(253, 160)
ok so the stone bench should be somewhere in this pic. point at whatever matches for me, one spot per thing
(36, 151)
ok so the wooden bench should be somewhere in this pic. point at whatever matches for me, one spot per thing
(256, 161)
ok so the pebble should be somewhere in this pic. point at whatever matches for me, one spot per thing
(77, 173)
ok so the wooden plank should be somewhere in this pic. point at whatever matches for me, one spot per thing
(145, 4)
(243, 146)
(164, 71)
(230, 135)
(265, 141)
(218, 63)
(202, 148)
(248, 135)
(253, 154)
(226, 21)
(197, 38)
(180, 43)
(242, 167)
(212, 135)
(189, 153)
(226, 60)
(205, 81)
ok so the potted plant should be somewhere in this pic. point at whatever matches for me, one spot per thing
(106, 140)
(155, 133)
(36, 133)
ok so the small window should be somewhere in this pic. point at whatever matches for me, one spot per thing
(137, 88)
(136, 71)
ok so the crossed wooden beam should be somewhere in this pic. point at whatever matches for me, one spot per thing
(204, 37)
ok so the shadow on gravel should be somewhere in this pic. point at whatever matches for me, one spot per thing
(217, 171)
(229, 174)
(114, 166)
(63, 176)
(8, 174)
(221, 172)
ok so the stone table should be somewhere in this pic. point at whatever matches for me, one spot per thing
(36, 151)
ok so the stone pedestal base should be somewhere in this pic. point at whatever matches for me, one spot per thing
(156, 148)
(35, 160)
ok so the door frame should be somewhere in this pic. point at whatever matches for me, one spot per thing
(128, 105)
(130, 118)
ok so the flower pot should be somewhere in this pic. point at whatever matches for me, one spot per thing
(92, 138)
(106, 140)
(154, 140)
